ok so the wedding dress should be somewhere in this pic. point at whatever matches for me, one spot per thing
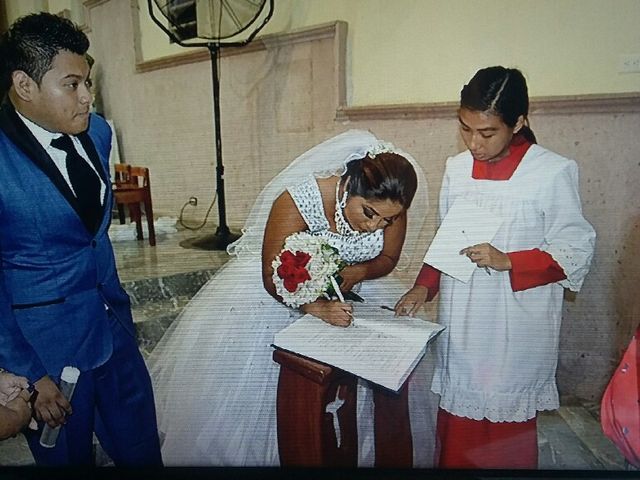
(214, 378)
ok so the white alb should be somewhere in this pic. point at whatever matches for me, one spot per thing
(497, 357)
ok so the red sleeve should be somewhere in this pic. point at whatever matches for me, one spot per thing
(533, 268)
(429, 277)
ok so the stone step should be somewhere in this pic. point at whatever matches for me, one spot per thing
(14, 452)
(156, 302)
(167, 288)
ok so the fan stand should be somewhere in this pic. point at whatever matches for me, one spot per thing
(223, 236)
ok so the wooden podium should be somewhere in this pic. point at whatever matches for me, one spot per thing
(316, 410)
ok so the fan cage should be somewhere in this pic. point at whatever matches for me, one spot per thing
(209, 19)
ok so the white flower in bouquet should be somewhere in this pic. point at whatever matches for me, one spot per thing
(302, 270)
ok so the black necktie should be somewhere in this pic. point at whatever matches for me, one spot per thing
(84, 180)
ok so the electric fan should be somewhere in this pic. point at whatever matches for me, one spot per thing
(213, 24)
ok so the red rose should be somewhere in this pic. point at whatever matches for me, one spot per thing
(292, 270)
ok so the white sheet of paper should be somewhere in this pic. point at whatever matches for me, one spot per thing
(378, 346)
(464, 225)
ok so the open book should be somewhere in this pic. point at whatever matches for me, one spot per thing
(378, 346)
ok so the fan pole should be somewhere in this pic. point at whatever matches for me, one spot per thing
(172, 9)
(223, 236)
(223, 229)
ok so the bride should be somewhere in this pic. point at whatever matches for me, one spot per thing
(214, 378)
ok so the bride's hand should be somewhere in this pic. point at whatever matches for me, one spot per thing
(331, 311)
(351, 274)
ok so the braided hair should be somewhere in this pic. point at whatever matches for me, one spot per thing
(500, 91)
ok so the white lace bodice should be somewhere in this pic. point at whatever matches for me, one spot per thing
(359, 247)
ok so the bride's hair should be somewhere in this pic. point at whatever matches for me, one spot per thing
(392, 174)
(385, 176)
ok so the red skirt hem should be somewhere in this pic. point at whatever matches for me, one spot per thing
(465, 443)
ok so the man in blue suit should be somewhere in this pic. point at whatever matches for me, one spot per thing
(60, 295)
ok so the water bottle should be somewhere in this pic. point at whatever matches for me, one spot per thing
(68, 381)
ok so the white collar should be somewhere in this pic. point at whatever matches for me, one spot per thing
(43, 136)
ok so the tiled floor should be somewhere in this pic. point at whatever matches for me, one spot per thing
(569, 439)
(137, 260)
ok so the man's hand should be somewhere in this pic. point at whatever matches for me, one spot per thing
(50, 405)
(15, 415)
(10, 386)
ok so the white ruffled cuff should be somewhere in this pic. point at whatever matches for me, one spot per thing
(574, 261)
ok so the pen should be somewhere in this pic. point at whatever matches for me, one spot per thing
(486, 269)
(384, 307)
(337, 289)
(341, 298)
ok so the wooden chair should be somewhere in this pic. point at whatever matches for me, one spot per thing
(133, 188)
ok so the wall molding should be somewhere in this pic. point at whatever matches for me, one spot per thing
(199, 54)
(552, 105)
(595, 103)
(87, 5)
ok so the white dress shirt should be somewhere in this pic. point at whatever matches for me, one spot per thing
(58, 156)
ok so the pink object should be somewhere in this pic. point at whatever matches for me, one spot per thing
(620, 410)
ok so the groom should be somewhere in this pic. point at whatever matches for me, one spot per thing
(60, 295)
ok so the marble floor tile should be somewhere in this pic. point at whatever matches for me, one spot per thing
(137, 260)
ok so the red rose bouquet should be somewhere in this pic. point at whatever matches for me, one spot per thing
(302, 271)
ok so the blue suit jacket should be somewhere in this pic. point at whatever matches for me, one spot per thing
(57, 275)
